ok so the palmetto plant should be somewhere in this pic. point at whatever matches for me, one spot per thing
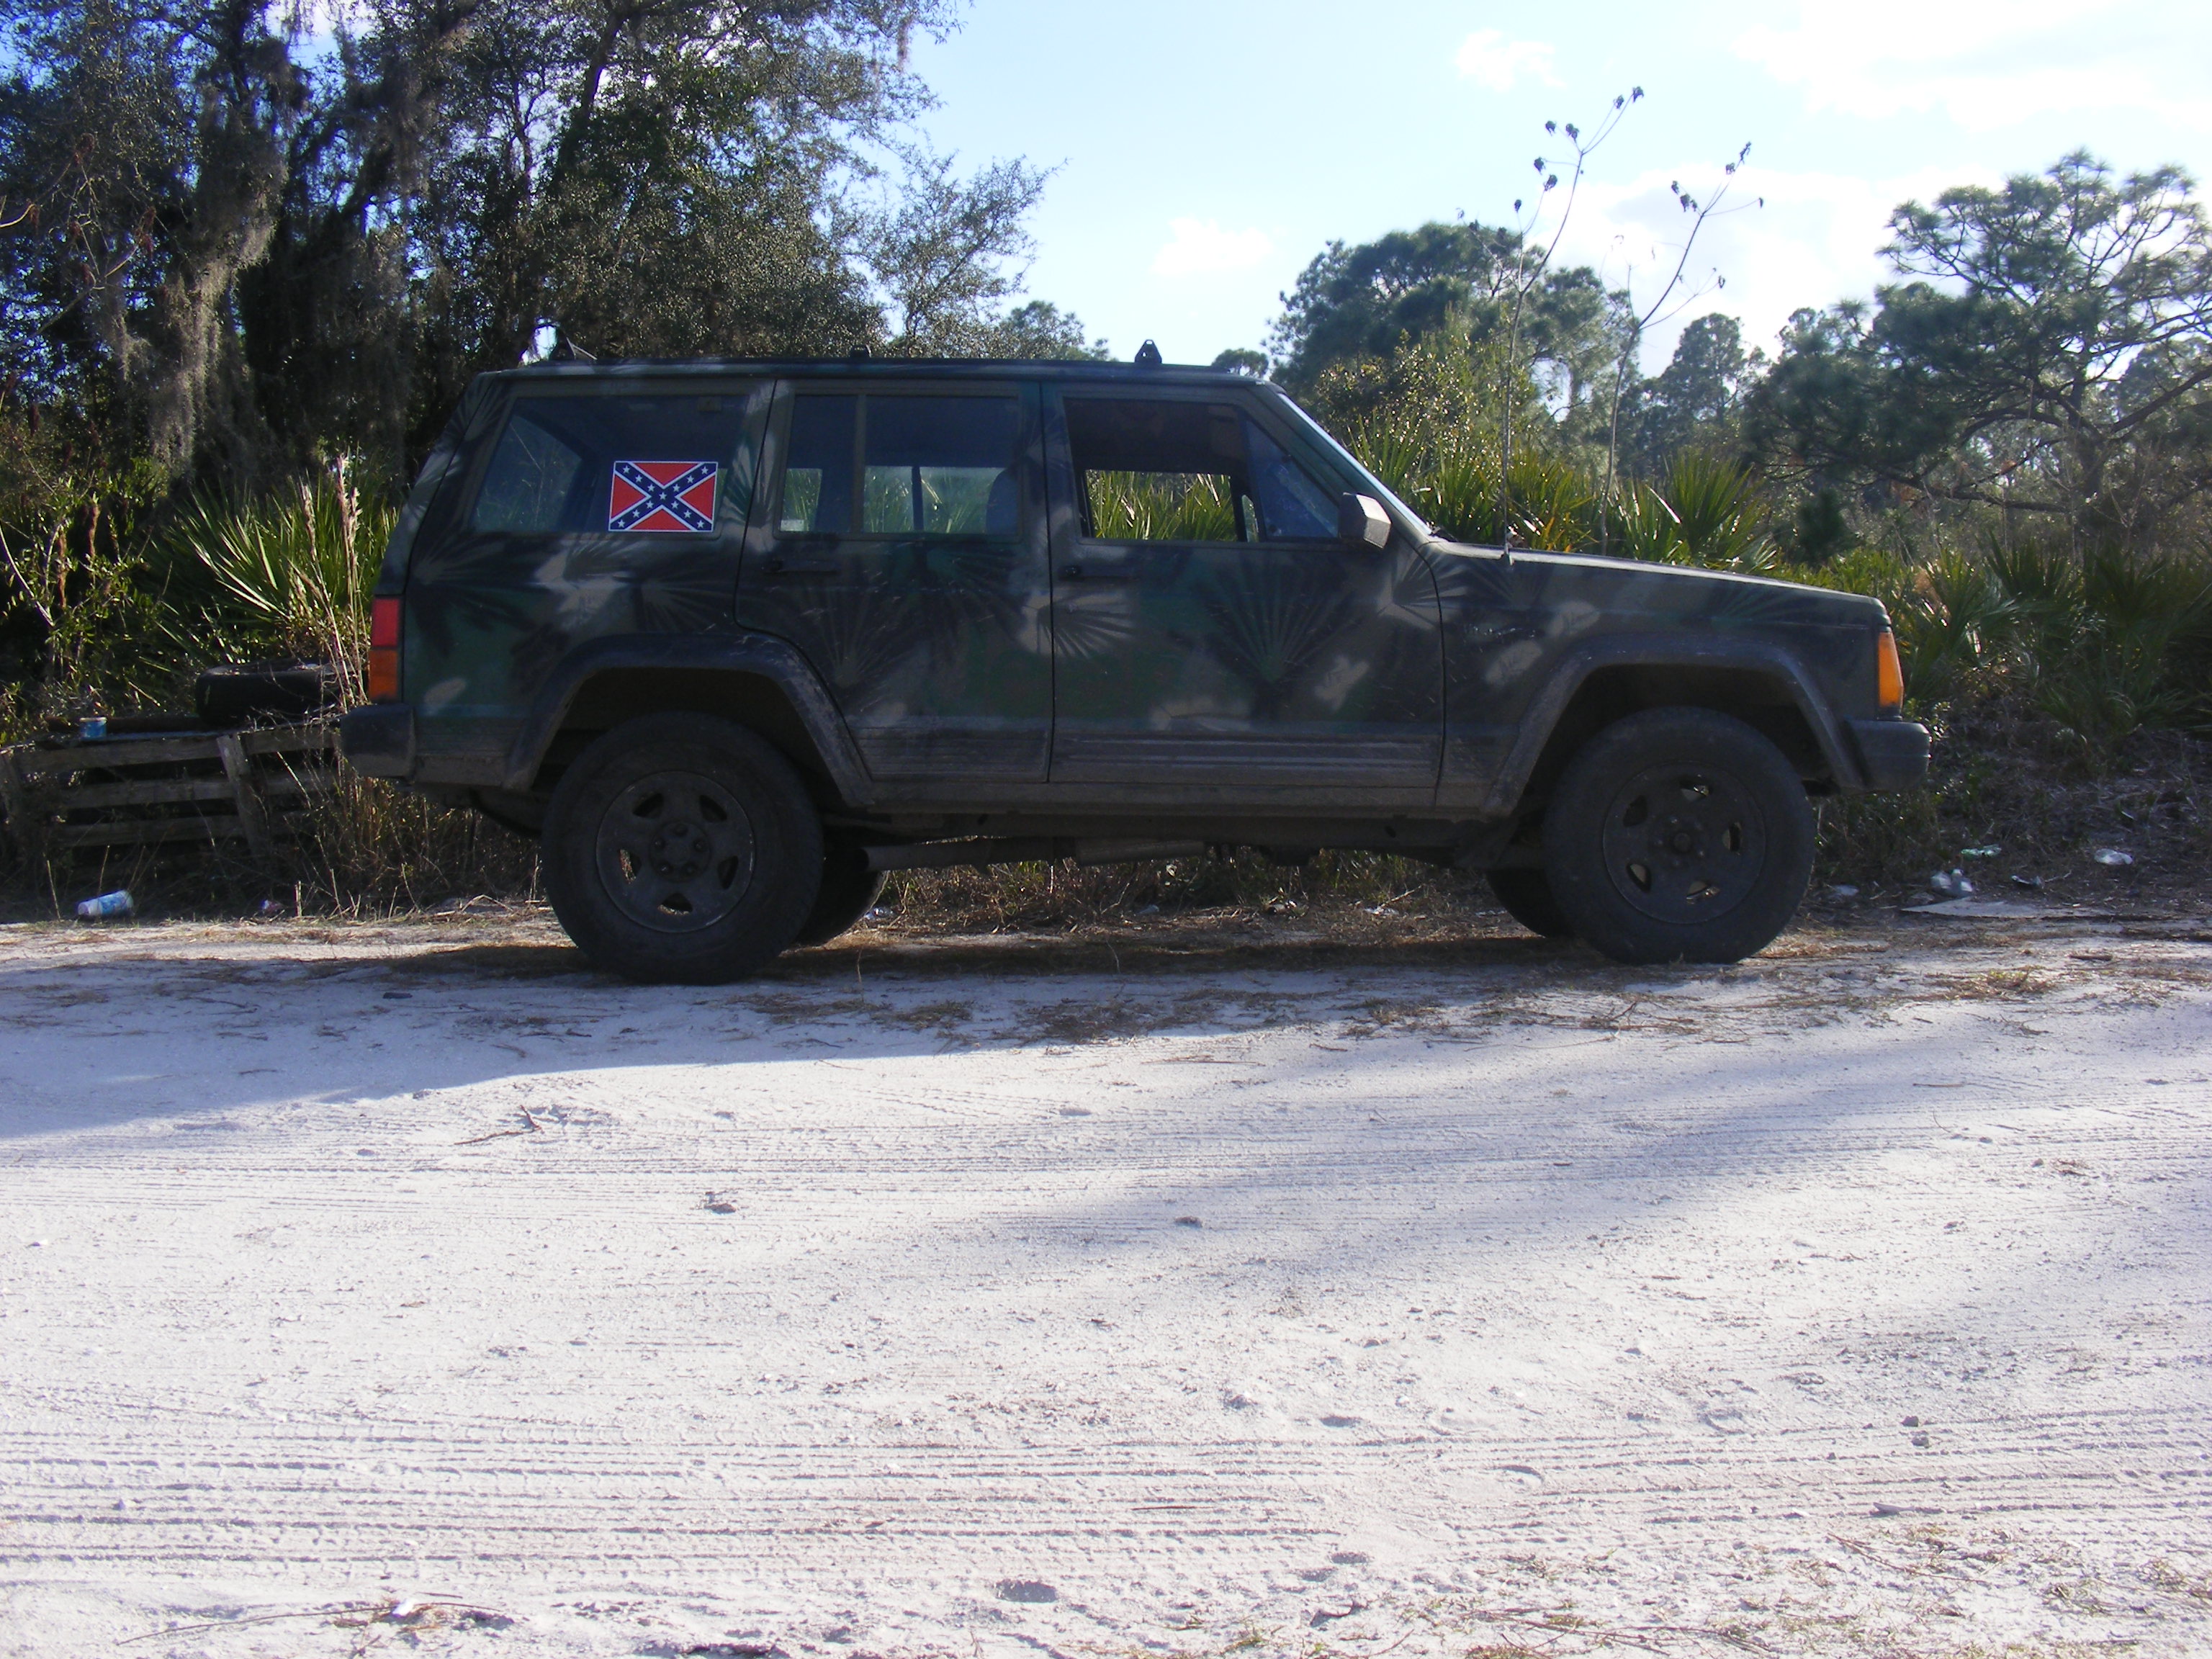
(1455, 484)
(2109, 641)
(1955, 615)
(1552, 502)
(1395, 453)
(1721, 512)
(1460, 492)
(1154, 506)
(292, 574)
(1705, 512)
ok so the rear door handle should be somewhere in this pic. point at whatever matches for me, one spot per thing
(778, 567)
(1079, 573)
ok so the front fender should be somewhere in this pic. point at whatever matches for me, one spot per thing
(1665, 651)
(757, 656)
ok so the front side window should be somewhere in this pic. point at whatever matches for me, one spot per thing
(648, 466)
(1291, 506)
(927, 465)
(1162, 469)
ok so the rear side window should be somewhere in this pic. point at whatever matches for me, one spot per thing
(924, 466)
(673, 464)
(1164, 470)
(941, 466)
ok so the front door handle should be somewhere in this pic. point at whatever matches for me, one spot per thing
(1091, 572)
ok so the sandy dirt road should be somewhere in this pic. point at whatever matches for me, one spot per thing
(413, 1289)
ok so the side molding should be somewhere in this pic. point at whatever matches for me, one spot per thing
(759, 656)
(1664, 651)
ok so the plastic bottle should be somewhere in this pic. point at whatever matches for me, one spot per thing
(117, 903)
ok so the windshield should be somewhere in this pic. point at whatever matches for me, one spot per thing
(1375, 485)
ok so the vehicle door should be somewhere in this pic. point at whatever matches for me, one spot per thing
(903, 552)
(591, 508)
(1211, 631)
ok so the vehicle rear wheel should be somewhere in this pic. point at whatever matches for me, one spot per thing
(850, 891)
(681, 849)
(1527, 896)
(1679, 834)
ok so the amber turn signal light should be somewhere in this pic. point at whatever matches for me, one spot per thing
(1888, 673)
(383, 650)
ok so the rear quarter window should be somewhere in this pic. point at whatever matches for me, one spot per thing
(674, 463)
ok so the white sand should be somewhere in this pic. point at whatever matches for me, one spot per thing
(380, 1290)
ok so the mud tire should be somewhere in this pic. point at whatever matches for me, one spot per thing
(1679, 834)
(681, 849)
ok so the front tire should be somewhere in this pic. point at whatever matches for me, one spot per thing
(681, 849)
(1679, 834)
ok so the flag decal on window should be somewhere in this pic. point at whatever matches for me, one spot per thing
(663, 496)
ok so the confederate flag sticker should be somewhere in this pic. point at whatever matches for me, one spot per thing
(663, 496)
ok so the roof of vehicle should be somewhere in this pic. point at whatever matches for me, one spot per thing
(935, 368)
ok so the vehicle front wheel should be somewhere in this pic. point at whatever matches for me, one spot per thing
(1679, 834)
(1527, 896)
(850, 891)
(681, 849)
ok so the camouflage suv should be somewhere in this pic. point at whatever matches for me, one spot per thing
(735, 638)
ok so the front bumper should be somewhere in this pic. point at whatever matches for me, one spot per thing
(1893, 754)
(379, 739)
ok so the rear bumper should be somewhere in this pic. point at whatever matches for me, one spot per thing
(1893, 754)
(379, 739)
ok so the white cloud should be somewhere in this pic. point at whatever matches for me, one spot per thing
(1201, 248)
(1493, 63)
(1992, 63)
(1817, 239)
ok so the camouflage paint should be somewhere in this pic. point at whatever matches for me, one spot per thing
(1276, 676)
(491, 614)
(938, 649)
(1514, 624)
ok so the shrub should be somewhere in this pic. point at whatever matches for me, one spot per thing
(289, 575)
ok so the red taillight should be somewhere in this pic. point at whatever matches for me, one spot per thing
(383, 650)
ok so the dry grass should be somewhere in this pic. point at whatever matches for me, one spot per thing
(362, 850)
(2000, 780)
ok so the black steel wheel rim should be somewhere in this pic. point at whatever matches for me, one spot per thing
(675, 852)
(1684, 844)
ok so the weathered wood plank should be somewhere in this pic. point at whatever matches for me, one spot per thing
(239, 770)
(102, 756)
(297, 761)
(147, 791)
(139, 832)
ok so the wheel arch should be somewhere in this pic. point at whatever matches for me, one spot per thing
(1762, 686)
(757, 682)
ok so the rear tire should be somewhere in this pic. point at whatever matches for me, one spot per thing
(1527, 896)
(850, 891)
(1679, 834)
(679, 848)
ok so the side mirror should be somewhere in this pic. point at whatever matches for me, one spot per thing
(1361, 521)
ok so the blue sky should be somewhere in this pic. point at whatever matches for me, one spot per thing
(1207, 149)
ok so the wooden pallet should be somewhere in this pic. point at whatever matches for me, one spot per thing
(188, 786)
